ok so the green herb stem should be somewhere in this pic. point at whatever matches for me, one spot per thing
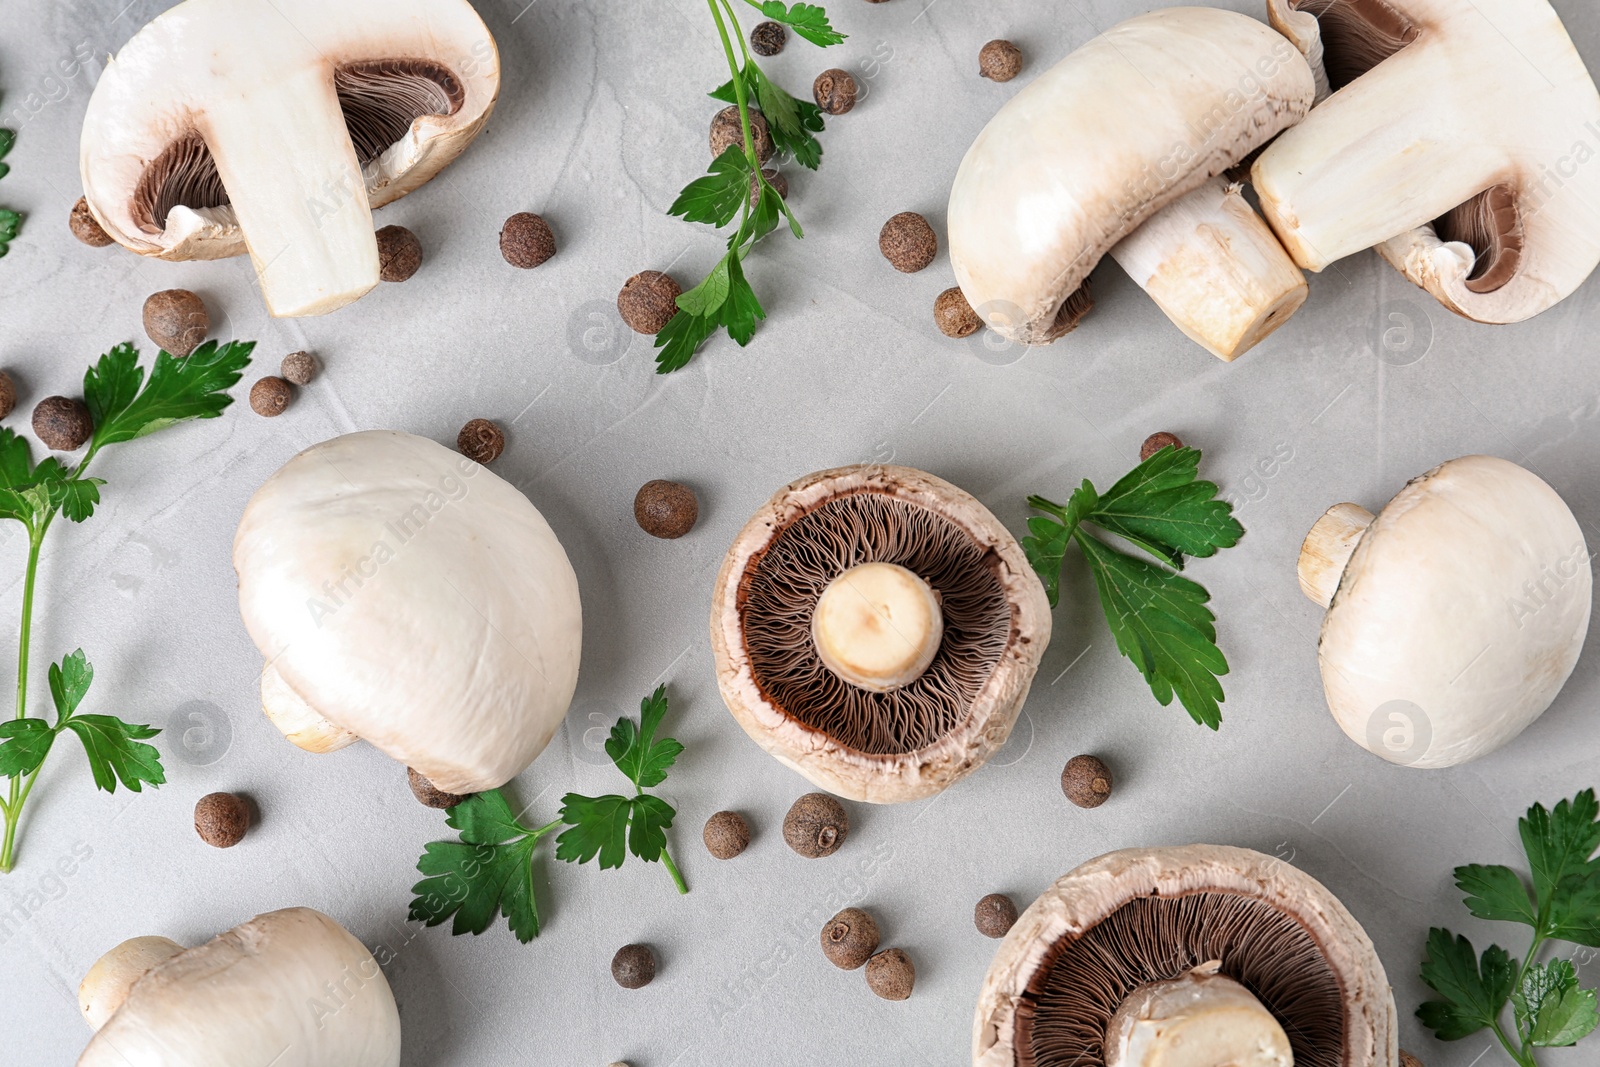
(672, 869)
(18, 793)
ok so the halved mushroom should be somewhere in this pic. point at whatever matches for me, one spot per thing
(1121, 148)
(1478, 189)
(292, 988)
(876, 629)
(404, 595)
(1199, 956)
(275, 126)
(1454, 617)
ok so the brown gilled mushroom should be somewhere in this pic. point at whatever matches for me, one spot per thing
(1142, 954)
(877, 629)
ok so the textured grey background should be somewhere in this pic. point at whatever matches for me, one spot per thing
(602, 118)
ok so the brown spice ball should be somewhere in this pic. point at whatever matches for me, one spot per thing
(726, 834)
(1156, 442)
(8, 394)
(270, 396)
(1000, 61)
(665, 509)
(399, 254)
(62, 423)
(481, 441)
(850, 938)
(891, 975)
(526, 240)
(995, 915)
(778, 182)
(1086, 781)
(908, 242)
(816, 825)
(221, 819)
(429, 794)
(298, 368)
(768, 38)
(85, 227)
(835, 91)
(634, 966)
(648, 301)
(176, 319)
(727, 130)
(953, 315)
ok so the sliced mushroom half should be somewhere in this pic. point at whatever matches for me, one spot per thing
(275, 126)
(1198, 956)
(877, 629)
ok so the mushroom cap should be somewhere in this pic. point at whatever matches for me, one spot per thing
(1462, 611)
(912, 741)
(291, 984)
(410, 597)
(1053, 987)
(1138, 117)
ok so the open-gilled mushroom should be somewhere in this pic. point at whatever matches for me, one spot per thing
(404, 595)
(1476, 188)
(275, 126)
(292, 988)
(1121, 148)
(1454, 617)
(1198, 956)
(877, 629)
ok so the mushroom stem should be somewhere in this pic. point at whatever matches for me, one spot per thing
(298, 720)
(878, 626)
(107, 983)
(1328, 547)
(1202, 1019)
(1304, 31)
(1215, 268)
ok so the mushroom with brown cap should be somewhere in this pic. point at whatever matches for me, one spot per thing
(1454, 616)
(275, 126)
(876, 629)
(290, 986)
(1194, 956)
(1474, 187)
(1121, 148)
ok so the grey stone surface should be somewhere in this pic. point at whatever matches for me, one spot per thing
(601, 120)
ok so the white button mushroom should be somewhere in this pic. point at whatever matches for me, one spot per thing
(292, 988)
(404, 595)
(1454, 616)
(274, 126)
(1121, 148)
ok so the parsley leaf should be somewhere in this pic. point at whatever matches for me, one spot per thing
(10, 221)
(191, 388)
(718, 196)
(724, 300)
(1163, 507)
(791, 122)
(27, 743)
(1566, 876)
(808, 20)
(69, 682)
(1557, 1011)
(1496, 893)
(116, 751)
(635, 752)
(1473, 993)
(598, 826)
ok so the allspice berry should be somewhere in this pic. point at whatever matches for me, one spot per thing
(953, 315)
(1156, 442)
(1086, 781)
(891, 975)
(298, 368)
(648, 301)
(634, 966)
(430, 795)
(526, 240)
(995, 915)
(221, 819)
(850, 938)
(726, 834)
(62, 423)
(85, 227)
(8, 394)
(481, 441)
(399, 254)
(726, 129)
(779, 183)
(768, 38)
(908, 242)
(176, 319)
(270, 396)
(835, 91)
(816, 825)
(665, 509)
(1000, 61)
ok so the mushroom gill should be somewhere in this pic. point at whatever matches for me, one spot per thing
(185, 175)
(1061, 1019)
(1073, 309)
(1357, 35)
(1491, 225)
(780, 589)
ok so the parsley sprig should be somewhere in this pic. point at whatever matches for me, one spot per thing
(725, 300)
(10, 221)
(491, 868)
(124, 406)
(1548, 1007)
(1159, 618)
